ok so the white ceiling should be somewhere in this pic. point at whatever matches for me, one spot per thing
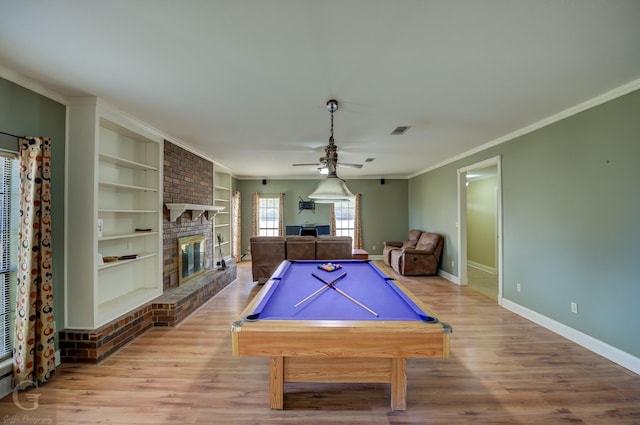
(245, 82)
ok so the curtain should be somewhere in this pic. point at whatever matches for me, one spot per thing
(33, 347)
(281, 214)
(256, 214)
(357, 223)
(357, 226)
(236, 226)
(332, 219)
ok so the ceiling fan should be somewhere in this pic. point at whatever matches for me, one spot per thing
(328, 163)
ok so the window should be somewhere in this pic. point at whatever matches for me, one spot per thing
(268, 216)
(9, 189)
(345, 213)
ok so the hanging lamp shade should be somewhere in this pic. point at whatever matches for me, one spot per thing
(331, 189)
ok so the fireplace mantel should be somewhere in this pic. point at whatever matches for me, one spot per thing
(176, 210)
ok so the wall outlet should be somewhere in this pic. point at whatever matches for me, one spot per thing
(374, 248)
(574, 308)
(453, 264)
(518, 287)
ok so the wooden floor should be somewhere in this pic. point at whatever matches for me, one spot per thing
(503, 369)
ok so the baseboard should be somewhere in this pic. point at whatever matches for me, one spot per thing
(5, 386)
(603, 349)
(482, 267)
(449, 277)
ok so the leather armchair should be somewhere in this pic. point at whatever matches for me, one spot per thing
(410, 242)
(267, 252)
(334, 248)
(301, 247)
(419, 260)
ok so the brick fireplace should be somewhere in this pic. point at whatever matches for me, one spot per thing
(188, 178)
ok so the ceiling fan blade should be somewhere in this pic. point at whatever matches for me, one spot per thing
(315, 164)
(345, 164)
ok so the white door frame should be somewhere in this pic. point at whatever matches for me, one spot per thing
(462, 219)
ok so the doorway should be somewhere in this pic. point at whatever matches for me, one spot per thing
(479, 227)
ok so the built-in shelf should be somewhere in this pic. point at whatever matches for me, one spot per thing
(125, 162)
(127, 187)
(123, 262)
(126, 236)
(127, 211)
(176, 210)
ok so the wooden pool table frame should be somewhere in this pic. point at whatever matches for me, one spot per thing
(339, 350)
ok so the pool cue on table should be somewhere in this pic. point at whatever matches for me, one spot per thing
(345, 294)
(321, 289)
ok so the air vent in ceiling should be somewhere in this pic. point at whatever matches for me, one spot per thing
(400, 130)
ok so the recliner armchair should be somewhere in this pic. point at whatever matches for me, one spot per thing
(267, 252)
(334, 248)
(410, 242)
(301, 248)
(419, 260)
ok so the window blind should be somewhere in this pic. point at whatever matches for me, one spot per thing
(269, 216)
(345, 218)
(8, 244)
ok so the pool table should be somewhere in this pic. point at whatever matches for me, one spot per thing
(352, 324)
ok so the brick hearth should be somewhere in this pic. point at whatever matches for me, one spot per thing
(169, 309)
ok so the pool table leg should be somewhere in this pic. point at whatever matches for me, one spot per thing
(276, 382)
(398, 383)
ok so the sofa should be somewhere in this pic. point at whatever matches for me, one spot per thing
(267, 252)
(419, 254)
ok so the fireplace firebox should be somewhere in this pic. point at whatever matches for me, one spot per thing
(192, 257)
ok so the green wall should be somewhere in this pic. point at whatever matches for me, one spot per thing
(481, 222)
(384, 207)
(433, 207)
(26, 113)
(570, 219)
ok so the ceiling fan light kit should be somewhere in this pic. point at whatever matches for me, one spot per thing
(332, 188)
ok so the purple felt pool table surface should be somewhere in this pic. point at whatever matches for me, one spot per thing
(362, 292)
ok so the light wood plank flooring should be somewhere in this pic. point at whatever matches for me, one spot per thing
(503, 369)
(483, 282)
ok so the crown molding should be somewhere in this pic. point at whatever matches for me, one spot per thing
(32, 85)
(591, 103)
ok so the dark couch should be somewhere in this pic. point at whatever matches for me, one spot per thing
(267, 252)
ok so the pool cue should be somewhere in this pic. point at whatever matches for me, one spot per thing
(345, 295)
(321, 289)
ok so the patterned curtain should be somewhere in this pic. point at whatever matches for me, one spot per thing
(256, 214)
(357, 226)
(33, 347)
(236, 226)
(332, 220)
(281, 214)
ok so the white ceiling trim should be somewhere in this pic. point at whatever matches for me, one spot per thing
(591, 103)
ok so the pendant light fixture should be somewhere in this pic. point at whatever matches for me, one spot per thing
(331, 188)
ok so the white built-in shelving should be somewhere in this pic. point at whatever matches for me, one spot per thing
(222, 224)
(114, 210)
